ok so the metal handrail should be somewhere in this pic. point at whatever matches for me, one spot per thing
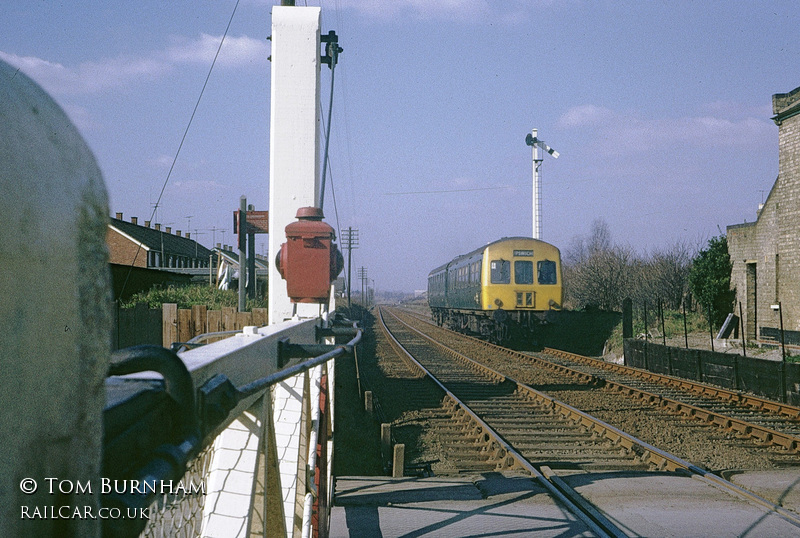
(259, 384)
(216, 399)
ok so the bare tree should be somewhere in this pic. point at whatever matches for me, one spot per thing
(599, 273)
(669, 270)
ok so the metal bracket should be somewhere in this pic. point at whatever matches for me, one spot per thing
(160, 457)
(176, 346)
(322, 332)
(216, 398)
(288, 351)
(332, 49)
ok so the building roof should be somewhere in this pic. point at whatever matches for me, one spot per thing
(153, 239)
(785, 105)
(232, 258)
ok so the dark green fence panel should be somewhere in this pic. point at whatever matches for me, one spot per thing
(658, 358)
(793, 383)
(634, 352)
(684, 363)
(719, 369)
(136, 326)
(760, 377)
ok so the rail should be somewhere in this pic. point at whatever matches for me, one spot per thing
(596, 522)
(656, 457)
(762, 433)
(177, 423)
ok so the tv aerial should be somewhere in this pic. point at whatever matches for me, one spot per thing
(536, 144)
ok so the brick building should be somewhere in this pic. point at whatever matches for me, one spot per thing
(766, 253)
(130, 243)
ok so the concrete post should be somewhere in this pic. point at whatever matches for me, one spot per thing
(398, 462)
(368, 406)
(56, 314)
(386, 441)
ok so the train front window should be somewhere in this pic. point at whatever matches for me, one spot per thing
(547, 272)
(501, 272)
(523, 272)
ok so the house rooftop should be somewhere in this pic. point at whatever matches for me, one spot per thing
(156, 239)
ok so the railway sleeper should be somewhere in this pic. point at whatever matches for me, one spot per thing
(761, 436)
(786, 442)
(537, 455)
(570, 450)
(544, 426)
(468, 454)
(523, 414)
(543, 438)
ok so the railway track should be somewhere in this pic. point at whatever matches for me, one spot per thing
(745, 415)
(497, 423)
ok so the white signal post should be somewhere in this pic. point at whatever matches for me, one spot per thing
(294, 138)
(535, 144)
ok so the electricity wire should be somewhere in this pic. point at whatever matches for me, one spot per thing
(448, 191)
(180, 146)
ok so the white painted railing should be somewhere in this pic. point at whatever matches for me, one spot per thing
(265, 469)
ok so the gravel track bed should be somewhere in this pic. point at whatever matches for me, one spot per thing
(708, 447)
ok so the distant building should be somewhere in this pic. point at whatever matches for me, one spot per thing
(766, 253)
(228, 267)
(132, 244)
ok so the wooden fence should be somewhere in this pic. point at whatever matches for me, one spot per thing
(163, 326)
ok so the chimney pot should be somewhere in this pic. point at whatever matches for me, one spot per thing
(169, 229)
(178, 233)
(135, 220)
(219, 246)
(119, 216)
(158, 226)
(147, 224)
(187, 235)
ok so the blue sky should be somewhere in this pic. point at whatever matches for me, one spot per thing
(660, 111)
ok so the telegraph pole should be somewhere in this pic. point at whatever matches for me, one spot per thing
(349, 241)
(242, 253)
(362, 274)
(252, 283)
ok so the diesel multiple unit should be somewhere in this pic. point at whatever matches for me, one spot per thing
(511, 282)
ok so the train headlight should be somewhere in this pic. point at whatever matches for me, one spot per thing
(499, 303)
(554, 305)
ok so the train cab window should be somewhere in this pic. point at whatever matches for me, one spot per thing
(523, 272)
(501, 272)
(547, 272)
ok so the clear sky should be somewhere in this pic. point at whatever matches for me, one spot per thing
(660, 111)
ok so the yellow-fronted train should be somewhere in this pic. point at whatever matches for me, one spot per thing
(512, 283)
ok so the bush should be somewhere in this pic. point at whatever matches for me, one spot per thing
(189, 296)
(710, 280)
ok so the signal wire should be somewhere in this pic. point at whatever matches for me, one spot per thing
(333, 191)
(333, 51)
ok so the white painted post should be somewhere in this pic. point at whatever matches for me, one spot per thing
(294, 137)
(55, 310)
(537, 189)
(294, 183)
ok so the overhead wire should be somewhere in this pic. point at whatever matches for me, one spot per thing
(334, 49)
(180, 146)
(327, 168)
(449, 191)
